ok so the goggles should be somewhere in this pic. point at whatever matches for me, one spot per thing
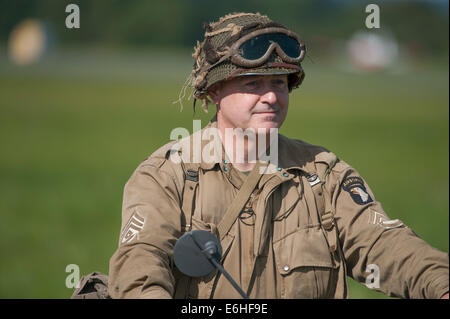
(255, 48)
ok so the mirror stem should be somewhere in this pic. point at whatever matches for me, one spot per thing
(210, 252)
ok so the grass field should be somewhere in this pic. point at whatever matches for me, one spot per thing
(73, 129)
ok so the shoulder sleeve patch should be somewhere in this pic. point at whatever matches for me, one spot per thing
(354, 185)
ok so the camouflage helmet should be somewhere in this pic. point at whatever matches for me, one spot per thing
(213, 58)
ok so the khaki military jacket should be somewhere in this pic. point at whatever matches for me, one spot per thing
(278, 247)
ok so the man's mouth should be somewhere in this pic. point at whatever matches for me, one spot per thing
(266, 115)
(266, 112)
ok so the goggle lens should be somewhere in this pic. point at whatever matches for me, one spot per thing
(257, 46)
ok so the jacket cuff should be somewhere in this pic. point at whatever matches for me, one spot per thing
(440, 286)
(155, 292)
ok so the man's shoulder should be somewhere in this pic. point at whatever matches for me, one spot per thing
(159, 157)
(312, 158)
(159, 163)
(295, 150)
(300, 144)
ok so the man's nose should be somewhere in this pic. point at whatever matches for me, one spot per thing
(269, 97)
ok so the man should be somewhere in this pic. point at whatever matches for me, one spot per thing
(291, 225)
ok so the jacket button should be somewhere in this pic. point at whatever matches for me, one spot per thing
(286, 268)
(285, 174)
(225, 168)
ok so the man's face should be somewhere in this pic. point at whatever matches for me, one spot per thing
(252, 101)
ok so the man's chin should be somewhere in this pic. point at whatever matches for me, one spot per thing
(267, 126)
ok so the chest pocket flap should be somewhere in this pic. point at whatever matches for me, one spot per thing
(305, 247)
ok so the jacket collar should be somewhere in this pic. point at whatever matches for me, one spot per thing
(292, 154)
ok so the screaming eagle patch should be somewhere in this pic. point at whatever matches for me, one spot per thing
(355, 187)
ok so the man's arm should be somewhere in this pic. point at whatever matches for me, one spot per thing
(375, 245)
(151, 224)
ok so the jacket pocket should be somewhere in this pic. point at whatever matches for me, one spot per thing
(305, 264)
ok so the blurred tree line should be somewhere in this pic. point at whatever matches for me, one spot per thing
(172, 23)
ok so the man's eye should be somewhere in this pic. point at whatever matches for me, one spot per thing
(280, 82)
(280, 85)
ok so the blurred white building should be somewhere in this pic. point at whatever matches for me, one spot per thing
(372, 51)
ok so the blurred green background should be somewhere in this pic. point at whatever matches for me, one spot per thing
(76, 121)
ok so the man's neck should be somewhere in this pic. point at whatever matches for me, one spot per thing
(241, 147)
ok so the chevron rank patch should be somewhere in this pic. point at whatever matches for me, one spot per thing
(376, 218)
(131, 230)
(354, 185)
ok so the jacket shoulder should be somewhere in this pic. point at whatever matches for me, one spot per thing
(160, 156)
(160, 162)
(301, 153)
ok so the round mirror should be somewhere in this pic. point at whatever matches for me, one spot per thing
(191, 253)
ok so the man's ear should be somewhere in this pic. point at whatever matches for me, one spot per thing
(214, 93)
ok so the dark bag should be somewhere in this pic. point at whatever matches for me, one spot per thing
(92, 286)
